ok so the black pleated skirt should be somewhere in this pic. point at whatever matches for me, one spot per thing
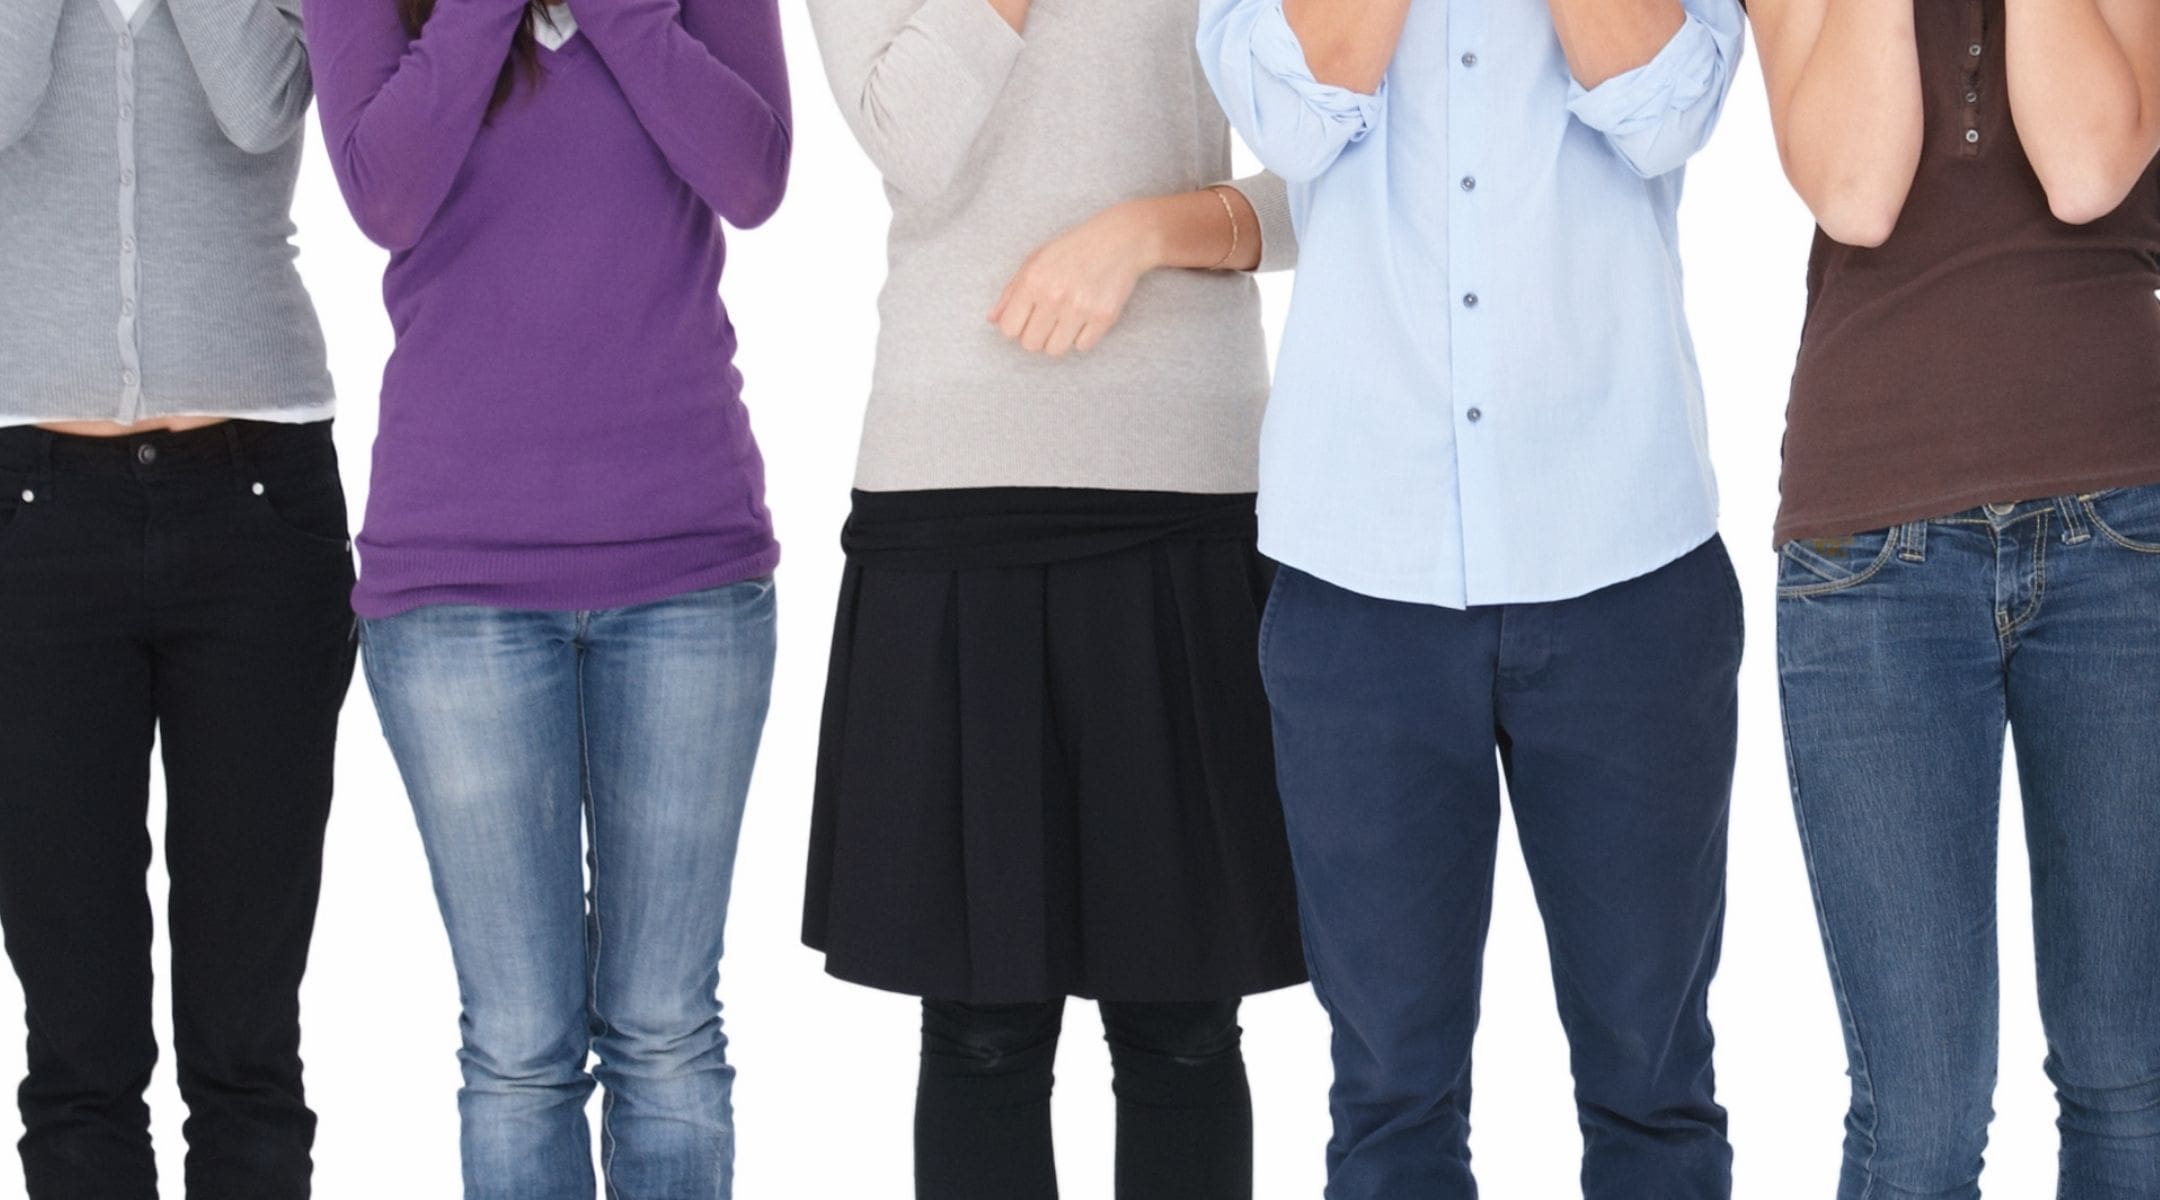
(1046, 767)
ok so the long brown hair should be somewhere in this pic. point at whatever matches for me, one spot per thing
(524, 60)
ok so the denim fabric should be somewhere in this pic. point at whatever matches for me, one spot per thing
(1614, 716)
(579, 779)
(1904, 655)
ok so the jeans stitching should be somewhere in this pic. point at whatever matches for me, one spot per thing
(1267, 621)
(2032, 607)
(2127, 543)
(1830, 952)
(592, 966)
(1882, 560)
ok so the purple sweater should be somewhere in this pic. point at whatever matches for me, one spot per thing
(562, 426)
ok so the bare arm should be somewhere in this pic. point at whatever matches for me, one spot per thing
(1072, 292)
(1015, 13)
(1348, 43)
(2085, 95)
(1844, 84)
(1604, 38)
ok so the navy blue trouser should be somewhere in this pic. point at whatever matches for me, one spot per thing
(1613, 717)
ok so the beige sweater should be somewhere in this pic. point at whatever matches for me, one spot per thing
(993, 142)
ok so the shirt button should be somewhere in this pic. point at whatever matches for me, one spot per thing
(1469, 300)
(146, 454)
(1972, 135)
(1469, 183)
(1475, 415)
(1469, 58)
(1976, 49)
(1972, 97)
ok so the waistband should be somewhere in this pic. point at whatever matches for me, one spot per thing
(235, 445)
(964, 528)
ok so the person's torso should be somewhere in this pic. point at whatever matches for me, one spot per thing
(1106, 104)
(1487, 359)
(150, 264)
(1987, 351)
(563, 372)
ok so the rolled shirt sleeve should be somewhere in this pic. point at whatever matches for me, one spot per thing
(1297, 125)
(1658, 115)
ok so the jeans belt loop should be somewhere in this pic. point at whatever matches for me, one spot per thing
(1912, 541)
(2076, 530)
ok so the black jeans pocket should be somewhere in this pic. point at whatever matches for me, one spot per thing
(309, 513)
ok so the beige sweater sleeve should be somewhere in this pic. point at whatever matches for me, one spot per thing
(27, 37)
(1271, 203)
(916, 79)
(253, 64)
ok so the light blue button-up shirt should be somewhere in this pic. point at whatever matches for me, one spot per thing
(1486, 392)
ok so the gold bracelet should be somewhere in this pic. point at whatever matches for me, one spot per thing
(1236, 235)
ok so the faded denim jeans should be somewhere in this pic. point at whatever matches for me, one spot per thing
(579, 779)
(1904, 657)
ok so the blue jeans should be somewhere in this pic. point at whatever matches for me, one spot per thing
(1903, 656)
(1614, 716)
(552, 752)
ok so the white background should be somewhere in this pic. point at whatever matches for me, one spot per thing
(828, 1069)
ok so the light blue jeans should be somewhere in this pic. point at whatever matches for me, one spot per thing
(579, 780)
(1905, 655)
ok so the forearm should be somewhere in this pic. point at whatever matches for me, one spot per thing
(1604, 38)
(1846, 98)
(27, 39)
(730, 140)
(2086, 121)
(400, 115)
(253, 65)
(1015, 13)
(917, 80)
(1212, 229)
(1348, 43)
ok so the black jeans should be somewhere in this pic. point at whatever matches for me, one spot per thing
(982, 1114)
(194, 587)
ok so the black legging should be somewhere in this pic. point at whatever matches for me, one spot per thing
(982, 1111)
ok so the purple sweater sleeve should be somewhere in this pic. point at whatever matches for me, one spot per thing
(708, 80)
(399, 115)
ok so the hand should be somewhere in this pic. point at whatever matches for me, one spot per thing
(1070, 293)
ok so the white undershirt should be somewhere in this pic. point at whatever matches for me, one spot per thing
(551, 36)
(128, 8)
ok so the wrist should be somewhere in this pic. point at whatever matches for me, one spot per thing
(1144, 232)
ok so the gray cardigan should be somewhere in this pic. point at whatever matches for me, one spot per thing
(147, 171)
(992, 143)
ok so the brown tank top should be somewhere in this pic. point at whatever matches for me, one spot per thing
(1987, 352)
